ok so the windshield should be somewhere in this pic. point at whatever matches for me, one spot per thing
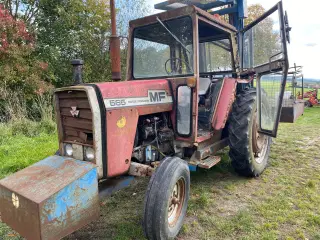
(215, 56)
(164, 49)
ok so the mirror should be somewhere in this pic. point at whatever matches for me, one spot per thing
(184, 97)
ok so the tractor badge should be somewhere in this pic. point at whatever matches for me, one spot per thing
(74, 112)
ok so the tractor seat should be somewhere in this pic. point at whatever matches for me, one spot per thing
(206, 112)
(204, 84)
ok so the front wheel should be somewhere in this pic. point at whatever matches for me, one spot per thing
(166, 200)
(249, 149)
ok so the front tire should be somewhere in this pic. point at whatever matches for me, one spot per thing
(249, 150)
(166, 200)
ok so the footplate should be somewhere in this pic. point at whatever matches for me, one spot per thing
(209, 162)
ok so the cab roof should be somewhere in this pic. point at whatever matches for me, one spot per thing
(203, 4)
(180, 12)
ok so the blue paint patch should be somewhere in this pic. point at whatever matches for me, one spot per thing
(74, 198)
(192, 168)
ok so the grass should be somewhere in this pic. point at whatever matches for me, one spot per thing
(23, 143)
(281, 204)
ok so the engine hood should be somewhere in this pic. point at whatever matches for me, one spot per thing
(140, 94)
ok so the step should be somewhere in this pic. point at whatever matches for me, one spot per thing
(209, 162)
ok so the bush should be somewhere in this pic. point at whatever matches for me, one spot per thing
(48, 126)
(30, 128)
(25, 127)
(5, 133)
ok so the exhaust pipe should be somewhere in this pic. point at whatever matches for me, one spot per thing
(114, 46)
(77, 71)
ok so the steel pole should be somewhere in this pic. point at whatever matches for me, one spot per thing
(114, 45)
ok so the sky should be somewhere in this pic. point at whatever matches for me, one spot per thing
(305, 35)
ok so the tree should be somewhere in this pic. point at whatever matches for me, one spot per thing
(22, 76)
(80, 29)
(19, 70)
(25, 10)
(263, 40)
(254, 11)
(74, 29)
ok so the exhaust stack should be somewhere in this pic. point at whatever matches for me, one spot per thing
(114, 46)
(77, 71)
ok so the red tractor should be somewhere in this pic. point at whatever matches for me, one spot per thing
(312, 97)
(188, 94)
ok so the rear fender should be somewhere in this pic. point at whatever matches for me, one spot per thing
(225, 101)
(121, 131)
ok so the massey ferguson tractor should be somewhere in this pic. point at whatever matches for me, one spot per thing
(197, 81)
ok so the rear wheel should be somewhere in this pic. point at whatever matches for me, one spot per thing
(166, 200)
(249, 150)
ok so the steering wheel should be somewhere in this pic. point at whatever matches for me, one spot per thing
(177, 63)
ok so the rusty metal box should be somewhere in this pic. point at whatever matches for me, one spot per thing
(51, 198)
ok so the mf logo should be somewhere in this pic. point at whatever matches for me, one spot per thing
(74, 112)
(157, 96)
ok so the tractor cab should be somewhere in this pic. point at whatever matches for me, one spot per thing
(203, 57)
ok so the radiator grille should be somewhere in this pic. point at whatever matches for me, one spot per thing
(76, 129)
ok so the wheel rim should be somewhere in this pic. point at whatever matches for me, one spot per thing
(176, 202)
(259, 142)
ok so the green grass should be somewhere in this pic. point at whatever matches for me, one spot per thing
(23, 143)
(284, 203)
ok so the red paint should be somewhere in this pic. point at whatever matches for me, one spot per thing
(128, 89)
(120, 139)
(225, 102)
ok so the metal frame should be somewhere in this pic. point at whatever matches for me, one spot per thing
(157, 77)
(236, 9)
(273, 66)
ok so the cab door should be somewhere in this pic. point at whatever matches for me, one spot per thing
(263, 48)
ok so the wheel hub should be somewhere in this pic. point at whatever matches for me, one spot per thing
(176, 201)
(259, 142)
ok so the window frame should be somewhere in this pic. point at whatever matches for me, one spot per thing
(165, 76)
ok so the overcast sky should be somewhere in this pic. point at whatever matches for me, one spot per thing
(305, 35)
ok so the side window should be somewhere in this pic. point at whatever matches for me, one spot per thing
(149, 58)
(270, 89)
(215, 56)
(184, 97)
(262, 43)
(264, 51)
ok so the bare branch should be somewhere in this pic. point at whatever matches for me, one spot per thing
(17, 7)
(32, 11)
(9, 7)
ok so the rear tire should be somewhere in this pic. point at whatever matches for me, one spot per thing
(249, 150)
(166, 200)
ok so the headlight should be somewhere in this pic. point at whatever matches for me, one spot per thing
(68, 149)
(89, 154)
